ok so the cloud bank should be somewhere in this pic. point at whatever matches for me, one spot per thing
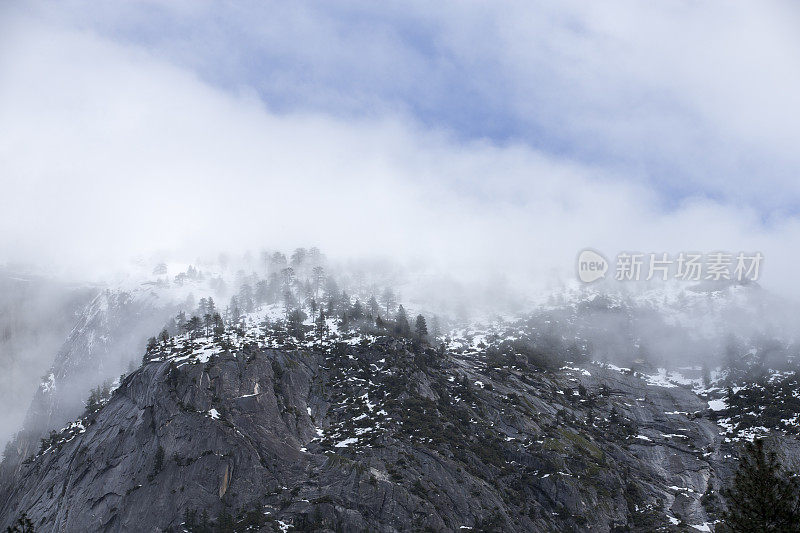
(478, 138)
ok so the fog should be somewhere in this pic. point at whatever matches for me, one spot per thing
(36, 315)
(115, 146)
(470, 151)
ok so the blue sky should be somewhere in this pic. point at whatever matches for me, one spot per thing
(678, 117)
(655, 92)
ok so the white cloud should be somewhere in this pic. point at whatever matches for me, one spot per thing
(110, 150)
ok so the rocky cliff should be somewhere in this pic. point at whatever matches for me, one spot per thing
(375, 434)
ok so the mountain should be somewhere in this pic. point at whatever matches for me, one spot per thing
(36, 315)
(254, 429)
(306, 404)
(107, 338)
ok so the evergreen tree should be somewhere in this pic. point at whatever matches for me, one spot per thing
(158, 462)
(344, 303)
(298, 257)
(289, 300)
(294, 324)
(320, 326)
(233, 310)
(95, 397)
(22, 524)
(180, 321)
(163, 336)
(219, 325)
(420, 327)
(319, 278)
(152, 344)
(202, 307)
(192, 326)
(262, 292)
(373, 306)
(277, 262)
(205, 523)
(733, 360)
(190, 519)
(331, 289)
(389, 300)
(763, 497)
(246, 298)
(402, 327)
(357, 311)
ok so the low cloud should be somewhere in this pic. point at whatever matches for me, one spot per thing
(111, 149)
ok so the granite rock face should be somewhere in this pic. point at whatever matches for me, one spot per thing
(382, 435)
(105, 341)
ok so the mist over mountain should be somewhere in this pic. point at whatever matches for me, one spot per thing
(36, 316)
(352, 266)
(360, 370)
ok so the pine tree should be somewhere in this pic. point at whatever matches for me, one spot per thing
(246, 298)
(357, 311)
(262, 295)
(93, 403)
(219, 325)
(319, 279)
(158, 462)
(152, 344)
(202, 307)
(22, 524)
(298, 257)
(344, 303)
(233, 310)
(180, 321)
(192, 326)
(420, 327)
(389, 300)
(373, 306)
(190, 519)
(763, 497)
(320, 326)
(289, 301)
(733, 360)
(402, 327)
(294, 324)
